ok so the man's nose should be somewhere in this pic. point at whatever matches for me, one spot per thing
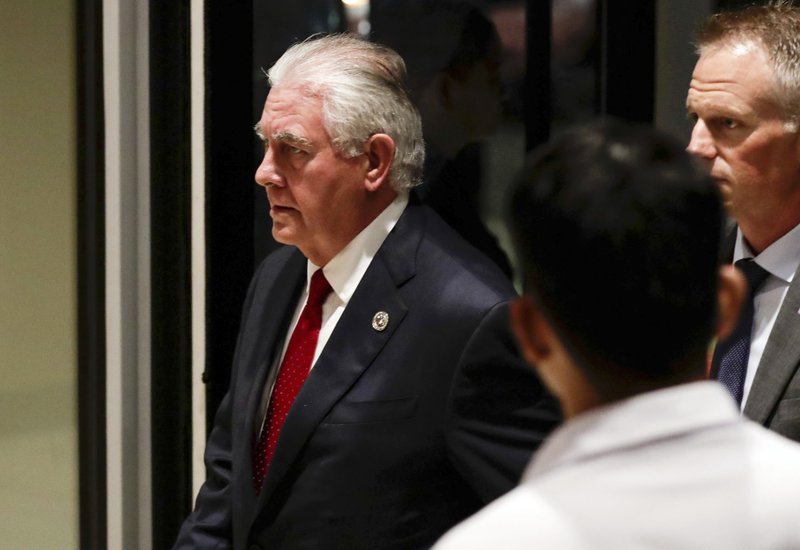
(267, 172)
(701, 143)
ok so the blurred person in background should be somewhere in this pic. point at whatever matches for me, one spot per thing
(453, 54)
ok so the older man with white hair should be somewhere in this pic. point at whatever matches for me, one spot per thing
(377, 397)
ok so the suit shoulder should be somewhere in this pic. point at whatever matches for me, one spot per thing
(444, 250)
(277, 257)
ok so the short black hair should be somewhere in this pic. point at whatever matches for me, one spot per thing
(618, 230)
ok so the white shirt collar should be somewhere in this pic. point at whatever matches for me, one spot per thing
(781, 258)
(345, 270)
(635, 421)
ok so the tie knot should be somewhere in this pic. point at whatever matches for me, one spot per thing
(320, 288)
(755, 274)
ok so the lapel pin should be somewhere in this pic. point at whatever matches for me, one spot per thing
(380, 321)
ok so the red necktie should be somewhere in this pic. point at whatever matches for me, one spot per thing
(292, 373)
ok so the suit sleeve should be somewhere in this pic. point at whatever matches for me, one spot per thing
(210, 526)
(499, 411)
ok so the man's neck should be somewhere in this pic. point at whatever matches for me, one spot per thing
(760, 234)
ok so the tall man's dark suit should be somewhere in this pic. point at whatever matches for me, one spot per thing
(774, 399)
(396, 434)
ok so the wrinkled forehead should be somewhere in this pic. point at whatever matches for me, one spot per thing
(736, 63)
(289, 108)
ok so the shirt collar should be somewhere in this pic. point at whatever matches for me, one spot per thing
(781, 258)
(345, 270)
(635, 421)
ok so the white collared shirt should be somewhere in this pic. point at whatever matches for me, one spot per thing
(344, 272)
(674, 468)
(781, 259)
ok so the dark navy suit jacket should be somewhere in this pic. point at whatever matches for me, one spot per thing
(397, 434)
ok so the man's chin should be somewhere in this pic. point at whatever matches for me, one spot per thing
(282, 234)
(724, 188)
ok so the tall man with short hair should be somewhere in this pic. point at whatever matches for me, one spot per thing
(376, 395)
(651, 455)
(744, 99)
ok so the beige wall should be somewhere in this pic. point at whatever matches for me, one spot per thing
(38, 404)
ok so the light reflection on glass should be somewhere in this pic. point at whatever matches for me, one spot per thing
(356, 14)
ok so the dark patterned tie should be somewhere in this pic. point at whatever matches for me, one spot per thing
(293, 372)
(729, 364)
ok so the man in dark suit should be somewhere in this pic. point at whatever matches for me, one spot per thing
(744, 99)
(376, 395)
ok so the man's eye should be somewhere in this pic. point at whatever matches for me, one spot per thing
(729, 123)
(294, 150)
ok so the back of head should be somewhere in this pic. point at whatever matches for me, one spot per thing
(362, 88)
(618, 230)
(775, 26)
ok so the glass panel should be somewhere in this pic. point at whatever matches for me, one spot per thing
(455, 60)
(465, 79)
(467, 65)
(573, 62)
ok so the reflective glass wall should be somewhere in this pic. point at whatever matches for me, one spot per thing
(467, 65)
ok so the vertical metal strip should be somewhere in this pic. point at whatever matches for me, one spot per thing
(125, 61)
(91, 274)
(197, 29)
(538, 89)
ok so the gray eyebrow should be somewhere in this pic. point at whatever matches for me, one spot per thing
(283, 137)
(291, 139)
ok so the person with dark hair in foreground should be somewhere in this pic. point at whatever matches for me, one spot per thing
(744, 100)
(377, 397)
(617, 228)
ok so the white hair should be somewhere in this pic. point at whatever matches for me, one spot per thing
(361, 85)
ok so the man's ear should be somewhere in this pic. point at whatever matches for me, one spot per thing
(379, 151)
(730, 297)
(530, 329)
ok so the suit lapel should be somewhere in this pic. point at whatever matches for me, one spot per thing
(780, 359)
(353, 345)
(277, 308)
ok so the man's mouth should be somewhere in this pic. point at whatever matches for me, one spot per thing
(279, 209)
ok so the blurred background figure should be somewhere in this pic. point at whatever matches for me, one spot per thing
(453, 55)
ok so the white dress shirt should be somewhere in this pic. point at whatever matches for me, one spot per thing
(781, 259)
(676, 468)
(343, 272)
